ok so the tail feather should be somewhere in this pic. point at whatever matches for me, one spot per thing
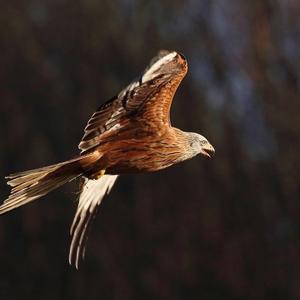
(21, 181)
(32, 192)
(15, 177)
(33, 184)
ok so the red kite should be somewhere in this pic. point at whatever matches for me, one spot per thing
(130, 133)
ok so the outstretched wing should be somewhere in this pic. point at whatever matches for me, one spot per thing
(91, 196)
(150, 97)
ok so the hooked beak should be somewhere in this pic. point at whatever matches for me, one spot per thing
(208, 150)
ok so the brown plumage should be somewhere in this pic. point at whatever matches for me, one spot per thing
(130, 133)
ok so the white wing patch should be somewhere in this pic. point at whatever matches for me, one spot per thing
(90, 198)
(152, 71)
(130, 87)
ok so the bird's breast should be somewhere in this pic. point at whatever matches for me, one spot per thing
(141, 155)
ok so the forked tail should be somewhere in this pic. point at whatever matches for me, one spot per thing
(33, 184)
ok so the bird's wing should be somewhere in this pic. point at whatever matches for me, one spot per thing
(150, 96)
(92, 193)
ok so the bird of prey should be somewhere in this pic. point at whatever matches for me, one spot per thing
(130, 133)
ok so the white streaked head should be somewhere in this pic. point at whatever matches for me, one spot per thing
(199, 145)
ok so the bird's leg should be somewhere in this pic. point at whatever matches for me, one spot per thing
(98, 175)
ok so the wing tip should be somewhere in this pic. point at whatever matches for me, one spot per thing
(93, 191)
(157, 63)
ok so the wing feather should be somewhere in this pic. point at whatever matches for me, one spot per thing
(93, 192)
(150, 96)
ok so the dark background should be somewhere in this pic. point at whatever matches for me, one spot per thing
(226, 228)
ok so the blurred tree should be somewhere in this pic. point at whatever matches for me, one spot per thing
(227, 228)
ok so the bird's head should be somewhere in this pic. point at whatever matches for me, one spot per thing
(198, 144)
